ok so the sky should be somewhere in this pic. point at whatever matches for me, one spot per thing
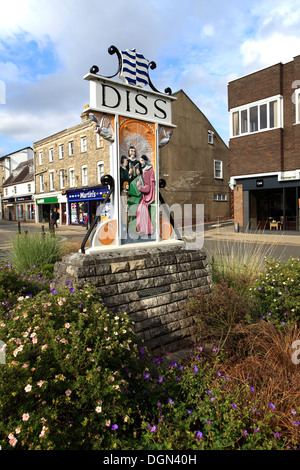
(47, 46)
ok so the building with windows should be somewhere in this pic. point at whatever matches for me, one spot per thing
(8, 163)
(68, 170)
(264, 147)
(195, 163)
(18, 191)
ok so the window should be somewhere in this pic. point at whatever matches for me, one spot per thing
(218, 169)
(41, 183)
(51, 180)
(71, 178)
(71, 148)
(6, 191)
(15, 190)
(83, 144)
(50, 155)
(99, 141)
(62, 176)
(29, 187)
(255, 117)
(220, 197)
(61, 151)
(40, 158)
(100, 171)
(84, 175)
(210, 137)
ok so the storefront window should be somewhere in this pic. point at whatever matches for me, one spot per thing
(82, 212)
(19, 211)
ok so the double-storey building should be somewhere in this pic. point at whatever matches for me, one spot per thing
(264, 147)
(68, 170)
(8, 163)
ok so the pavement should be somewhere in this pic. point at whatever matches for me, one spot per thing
(213, 231)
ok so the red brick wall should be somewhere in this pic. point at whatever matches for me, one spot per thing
(238, 204)
(255, 87)
(256, 153)
(274, 150)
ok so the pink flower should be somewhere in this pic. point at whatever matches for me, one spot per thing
(25, 417)
(68, 392)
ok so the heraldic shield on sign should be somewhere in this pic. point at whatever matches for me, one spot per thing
(136, 122)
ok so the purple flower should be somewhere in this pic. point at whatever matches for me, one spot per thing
(72, 289)
(195, 369)
(114, 427)
(198, 435)
(276, 434)
(147, 375)
(271, 406)
(189, 412)
(170, 401)
(245, 432)
(153, 429)
(160, 379)
(158, 404)
(233, 405)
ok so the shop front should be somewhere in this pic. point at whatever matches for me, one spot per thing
(270, 203)
(19, 208)
(45, 206)
(83, 203)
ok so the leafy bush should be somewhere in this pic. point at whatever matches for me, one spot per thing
(14, 285)
(197, 405)
(276, 292)
(64, 382)
(220, 311)
(34, 249)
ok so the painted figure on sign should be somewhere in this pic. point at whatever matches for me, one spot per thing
(134, 165)
(144, 223)
(124, 174)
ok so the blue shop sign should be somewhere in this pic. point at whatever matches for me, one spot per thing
(88, 194)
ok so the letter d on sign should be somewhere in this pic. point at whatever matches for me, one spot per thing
(296, 354)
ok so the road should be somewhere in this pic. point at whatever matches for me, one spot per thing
(281, 245)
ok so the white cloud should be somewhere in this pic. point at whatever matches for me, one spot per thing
(268, 51)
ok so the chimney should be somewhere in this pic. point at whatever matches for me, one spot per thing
(85, 114)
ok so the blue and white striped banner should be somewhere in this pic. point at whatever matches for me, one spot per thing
(134, 68)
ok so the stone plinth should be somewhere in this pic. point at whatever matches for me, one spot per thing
(151, 283)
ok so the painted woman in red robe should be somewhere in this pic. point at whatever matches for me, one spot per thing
(144, 223)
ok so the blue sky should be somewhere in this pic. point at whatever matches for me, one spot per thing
(46, 47)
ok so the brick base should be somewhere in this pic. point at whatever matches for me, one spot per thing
(151, 284)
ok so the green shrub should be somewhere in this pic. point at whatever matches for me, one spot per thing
(34, 249)
(219, 312)
(14, 285)
(276, 292)
(64, 384)
(200, 407)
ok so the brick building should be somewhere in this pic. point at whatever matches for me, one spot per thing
(18, 191)
(264, 147)
(68, 169)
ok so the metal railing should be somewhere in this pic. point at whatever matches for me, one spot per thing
(106, 180)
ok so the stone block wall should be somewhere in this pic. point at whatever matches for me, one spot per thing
(152, 284)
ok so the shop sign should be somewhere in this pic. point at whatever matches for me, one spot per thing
(23, 198)
(47, 200)
(91, 194)
(259, 183)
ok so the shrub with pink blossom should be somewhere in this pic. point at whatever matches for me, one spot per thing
(64, 384)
